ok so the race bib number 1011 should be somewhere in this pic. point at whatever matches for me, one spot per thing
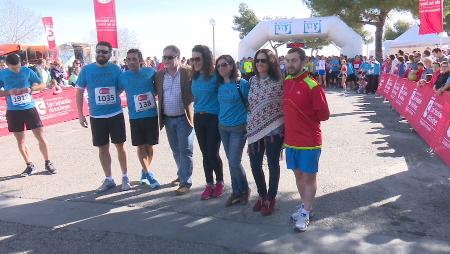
(105, 95)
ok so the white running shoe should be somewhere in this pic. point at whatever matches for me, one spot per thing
(301, 225)
(125, 184)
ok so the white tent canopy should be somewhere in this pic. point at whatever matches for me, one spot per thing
(412, 39)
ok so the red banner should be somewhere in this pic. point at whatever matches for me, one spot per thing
(105, 20)
(431, 14)
(53, 108)
(48, 25)
(426, 112)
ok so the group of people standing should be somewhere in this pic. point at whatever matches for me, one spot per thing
(209, 100)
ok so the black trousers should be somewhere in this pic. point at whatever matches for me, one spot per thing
(208, 137)
(372, 83)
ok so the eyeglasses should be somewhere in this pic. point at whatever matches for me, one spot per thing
(196, 59)
(262, 60)
(102, 52)
(222, 65)
(168, 57)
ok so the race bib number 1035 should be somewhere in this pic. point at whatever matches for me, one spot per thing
(105, 95)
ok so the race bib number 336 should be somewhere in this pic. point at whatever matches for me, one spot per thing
(105, 95)
(21, 99)
(143, 102)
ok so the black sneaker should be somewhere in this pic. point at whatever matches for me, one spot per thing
(50, 168)
(29, 170)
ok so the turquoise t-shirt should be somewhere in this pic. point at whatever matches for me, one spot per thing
(350, 69)
(232, 111)
(140, 90)
(11, 80)
(102, 84)
(205, 94)
(335, 64)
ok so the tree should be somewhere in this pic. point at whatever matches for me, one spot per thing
(357, 13)
(127, 39)
(315, 44)
(397, 29)
(19, 25)
(246, 20)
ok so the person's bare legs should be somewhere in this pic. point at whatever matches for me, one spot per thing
(23, 147)
(105, 159)
(307, 187)
(145, 156)
(43, 145)
(122, 155)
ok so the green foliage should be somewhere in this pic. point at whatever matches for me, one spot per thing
(245, 21)
(397, 29)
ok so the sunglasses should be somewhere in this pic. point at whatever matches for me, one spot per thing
(195, 59)
(222, 65)
(261, 60)
(168, 57)
(102, 52)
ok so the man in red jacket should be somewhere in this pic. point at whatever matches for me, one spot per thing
(304, 106)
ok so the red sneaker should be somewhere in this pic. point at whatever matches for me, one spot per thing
(268, 207)
(258, 205)
(207, 192)
(218, 190)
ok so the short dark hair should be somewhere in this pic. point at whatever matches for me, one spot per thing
(392, 57)
(426, 52)
(234, 72)
(13, 59)
(104, 43)
(299, 51)
(174, 49)
(138, 52)
(208, 61)
(438, 64)
(437, 50)
(400, 52)
(272, 61)
(420, 63)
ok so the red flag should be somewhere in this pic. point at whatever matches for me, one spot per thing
(431, 14)
(105, 19)
(48, 25)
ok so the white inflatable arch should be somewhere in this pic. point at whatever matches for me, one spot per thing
(331, 27)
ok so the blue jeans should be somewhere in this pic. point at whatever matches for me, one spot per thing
(233, 142)
(181, 140)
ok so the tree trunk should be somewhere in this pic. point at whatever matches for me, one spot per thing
(379, 36)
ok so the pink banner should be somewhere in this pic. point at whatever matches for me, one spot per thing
(48, 25)
(431, 16)
(426, 112)
(105, 20)
(53, 108)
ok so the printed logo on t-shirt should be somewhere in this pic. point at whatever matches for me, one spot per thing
(105, 95)
(143, 102)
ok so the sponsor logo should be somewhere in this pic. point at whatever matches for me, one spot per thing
(428, 109)
(283, 28)
(103, 91)
(312, 27)
(40, 106)
(142, 97)
(104, 1)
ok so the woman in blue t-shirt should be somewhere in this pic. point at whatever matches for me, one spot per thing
(233, 104)
(206, 110)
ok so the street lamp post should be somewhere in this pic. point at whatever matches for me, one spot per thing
(213, 24)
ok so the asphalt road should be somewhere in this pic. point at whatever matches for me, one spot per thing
(380, 191)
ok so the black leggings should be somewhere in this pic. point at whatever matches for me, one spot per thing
(208, 137)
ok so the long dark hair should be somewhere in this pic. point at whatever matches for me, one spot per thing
(208, 67)
(234, 72)
(274, 67)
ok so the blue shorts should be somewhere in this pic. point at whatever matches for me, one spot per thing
(321, 72)
(306, 161)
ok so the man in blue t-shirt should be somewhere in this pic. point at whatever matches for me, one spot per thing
(16, 84)
(334, 70)
(138, 84)
(100, 79)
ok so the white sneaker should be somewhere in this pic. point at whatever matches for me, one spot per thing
(125, 184)
(301, 225)
(296, 214)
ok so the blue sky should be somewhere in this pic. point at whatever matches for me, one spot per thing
(158, 23)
